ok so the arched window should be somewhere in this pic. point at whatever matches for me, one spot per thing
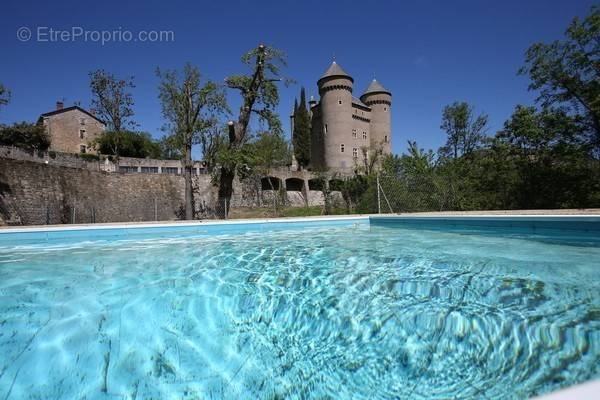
(342, 148)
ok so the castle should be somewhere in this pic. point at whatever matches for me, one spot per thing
(346, 130)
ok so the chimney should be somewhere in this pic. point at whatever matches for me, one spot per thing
(59, 105)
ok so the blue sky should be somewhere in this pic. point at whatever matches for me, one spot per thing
(428, 53)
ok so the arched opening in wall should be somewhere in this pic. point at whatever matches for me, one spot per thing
(335, 185)
(294, 184)
(315, 184)
(270, 183)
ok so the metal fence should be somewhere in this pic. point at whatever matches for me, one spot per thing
(397, 194)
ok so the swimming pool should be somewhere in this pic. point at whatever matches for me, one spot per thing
(341, 308)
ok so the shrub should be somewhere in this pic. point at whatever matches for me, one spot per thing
(29, 137)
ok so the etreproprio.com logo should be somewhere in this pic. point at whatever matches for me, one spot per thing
(46, 34)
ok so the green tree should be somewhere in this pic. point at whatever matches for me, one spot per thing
(301, 132)
(567, 72)
(113, 103)
(417, 161)
(270, 150)
(260, 96)
(26, 136)
(169, 148)
(4, 95)
(554, 165)
(211, 144)
(191, 108)
(112, 99)
(127, 144)
(464, 130)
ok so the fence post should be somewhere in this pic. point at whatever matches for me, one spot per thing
(155, 210)
(73, 214)
(47, 215)
(226, 209)
(378, 198)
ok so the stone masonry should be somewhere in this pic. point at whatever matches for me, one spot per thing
(71, 129)
(54, 188)
(34, 193)
(347, 130)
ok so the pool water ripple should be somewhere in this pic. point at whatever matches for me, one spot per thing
(343, 312)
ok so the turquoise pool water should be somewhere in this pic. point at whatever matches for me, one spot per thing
(343, 311)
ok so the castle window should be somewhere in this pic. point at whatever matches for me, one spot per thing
(364, 135)
(81, 133)
(342, 148)
(325, 128)
(384, 108)
(128, 169)
(385, 138)
(354, 133)
(170, 170)
(339, 102)
(355, 152)
(82, 149)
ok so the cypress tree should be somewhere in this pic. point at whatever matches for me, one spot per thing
(302, 131)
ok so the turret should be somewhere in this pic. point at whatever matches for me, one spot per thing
(380, 100)
(311, 103)
(335, 89)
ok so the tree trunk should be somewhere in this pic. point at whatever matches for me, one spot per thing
(225, 192)
(189, 195)
(327, 196)
(237, 133)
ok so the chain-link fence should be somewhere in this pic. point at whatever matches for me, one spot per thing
(398, 194)
(383, 193)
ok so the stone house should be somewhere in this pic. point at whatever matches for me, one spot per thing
(71, 129)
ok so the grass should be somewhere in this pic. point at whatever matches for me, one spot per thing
(270, 212)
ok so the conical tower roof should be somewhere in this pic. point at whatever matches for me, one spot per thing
(376, 87)
(335, 70)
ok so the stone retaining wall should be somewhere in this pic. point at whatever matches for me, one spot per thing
(33, 194)
(38, 193)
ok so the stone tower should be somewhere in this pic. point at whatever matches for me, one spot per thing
(379, 100)
(335, 89)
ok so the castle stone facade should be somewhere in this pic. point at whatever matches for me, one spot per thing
(346, 130)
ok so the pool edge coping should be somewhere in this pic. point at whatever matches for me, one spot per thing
(177, 224)
(291, 220)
